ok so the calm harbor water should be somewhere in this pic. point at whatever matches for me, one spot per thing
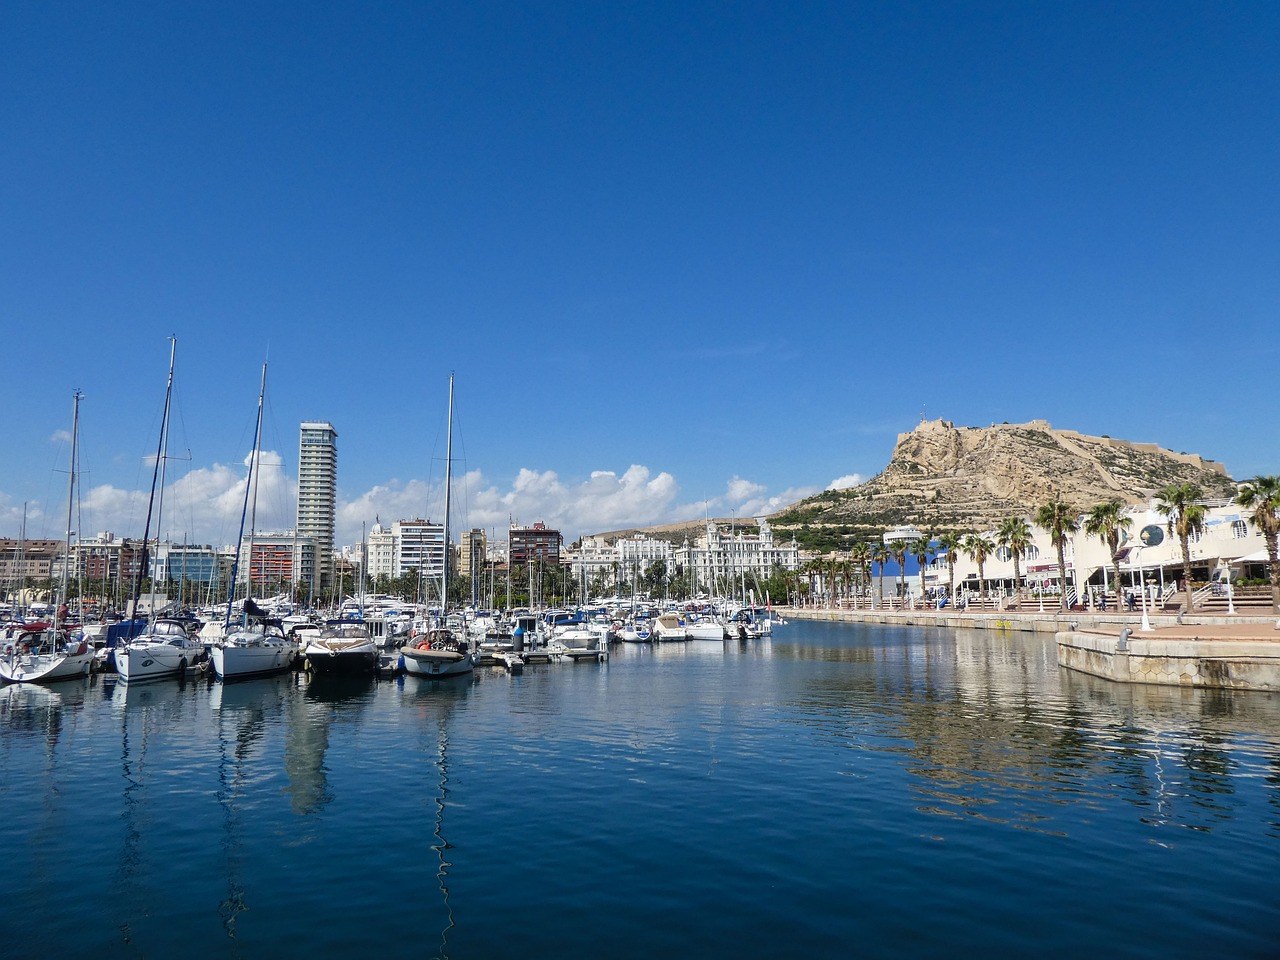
(837, 791)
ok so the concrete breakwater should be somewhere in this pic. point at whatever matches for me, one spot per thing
(1239, 653)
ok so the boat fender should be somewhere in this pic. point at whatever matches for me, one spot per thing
(182, 664)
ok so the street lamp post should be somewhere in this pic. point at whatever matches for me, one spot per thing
(1135, 558)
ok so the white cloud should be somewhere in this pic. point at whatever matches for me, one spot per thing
(847, 482)
(741, 491)
(204, 505)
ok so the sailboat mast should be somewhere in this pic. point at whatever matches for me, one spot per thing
(22, 565)
(448, 480)
(156, 474)
(250, 483)
(257, 473)
(71, 499)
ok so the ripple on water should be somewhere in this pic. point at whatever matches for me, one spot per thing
(903, 791)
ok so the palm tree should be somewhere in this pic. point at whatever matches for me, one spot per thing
(812, 568)
(1262, 496)
(979, 548)
(951, 543)
(860, 554)
(1107, 522)
(880, 555)
(1180, 503)
(922, 550)
(1015, 536)
(898, 551)
(846, 574)
(1059, 521)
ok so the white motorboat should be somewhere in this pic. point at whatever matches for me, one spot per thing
(575, 637)
(164, 650)
(437, 653)
(668, 627)
(637, 630)
(343, 647)
(254, 650)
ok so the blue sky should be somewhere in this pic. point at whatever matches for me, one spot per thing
(681, 258)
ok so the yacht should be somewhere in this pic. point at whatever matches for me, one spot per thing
(166, 649)
(254, 650)
(343, 646)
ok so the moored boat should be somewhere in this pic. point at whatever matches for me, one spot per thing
(44, 656)
(166, 649)
(343, 647)
(437, 653)
(668, 627)
(706, 627)
(257, 649)
(49, 654)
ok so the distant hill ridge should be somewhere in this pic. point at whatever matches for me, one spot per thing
(944, 477)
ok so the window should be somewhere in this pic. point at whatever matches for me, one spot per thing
(1239, 529)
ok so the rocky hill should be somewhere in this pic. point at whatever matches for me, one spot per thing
(943, 477)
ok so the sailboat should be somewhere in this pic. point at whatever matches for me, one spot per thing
(257, 646)
(50, 655)
(441, 652)
(165, 649)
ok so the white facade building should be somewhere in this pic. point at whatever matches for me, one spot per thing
(419, 546)
(1229, 542)
(380, 551)
(723, 559)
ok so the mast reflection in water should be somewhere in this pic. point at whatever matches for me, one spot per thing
(833, 789)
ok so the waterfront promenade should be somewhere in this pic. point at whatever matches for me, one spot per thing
(1206, 627)
(1218, 651)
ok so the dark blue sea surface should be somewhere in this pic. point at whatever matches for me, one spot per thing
(836, 791)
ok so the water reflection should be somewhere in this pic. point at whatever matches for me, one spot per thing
(992, 730)
(433, 702)
(35, 709)
(146, 714)
(307, 738)
(244, 713)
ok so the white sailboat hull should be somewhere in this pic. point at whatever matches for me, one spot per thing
(707, 630)
(47, 667)
(236, 662)
(155, 661)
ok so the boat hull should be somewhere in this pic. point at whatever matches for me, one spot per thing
(155, 661)
(668, 628)
(47, 667)
(244, 663)
(435, 663)
(705, 631)
(343, 662)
